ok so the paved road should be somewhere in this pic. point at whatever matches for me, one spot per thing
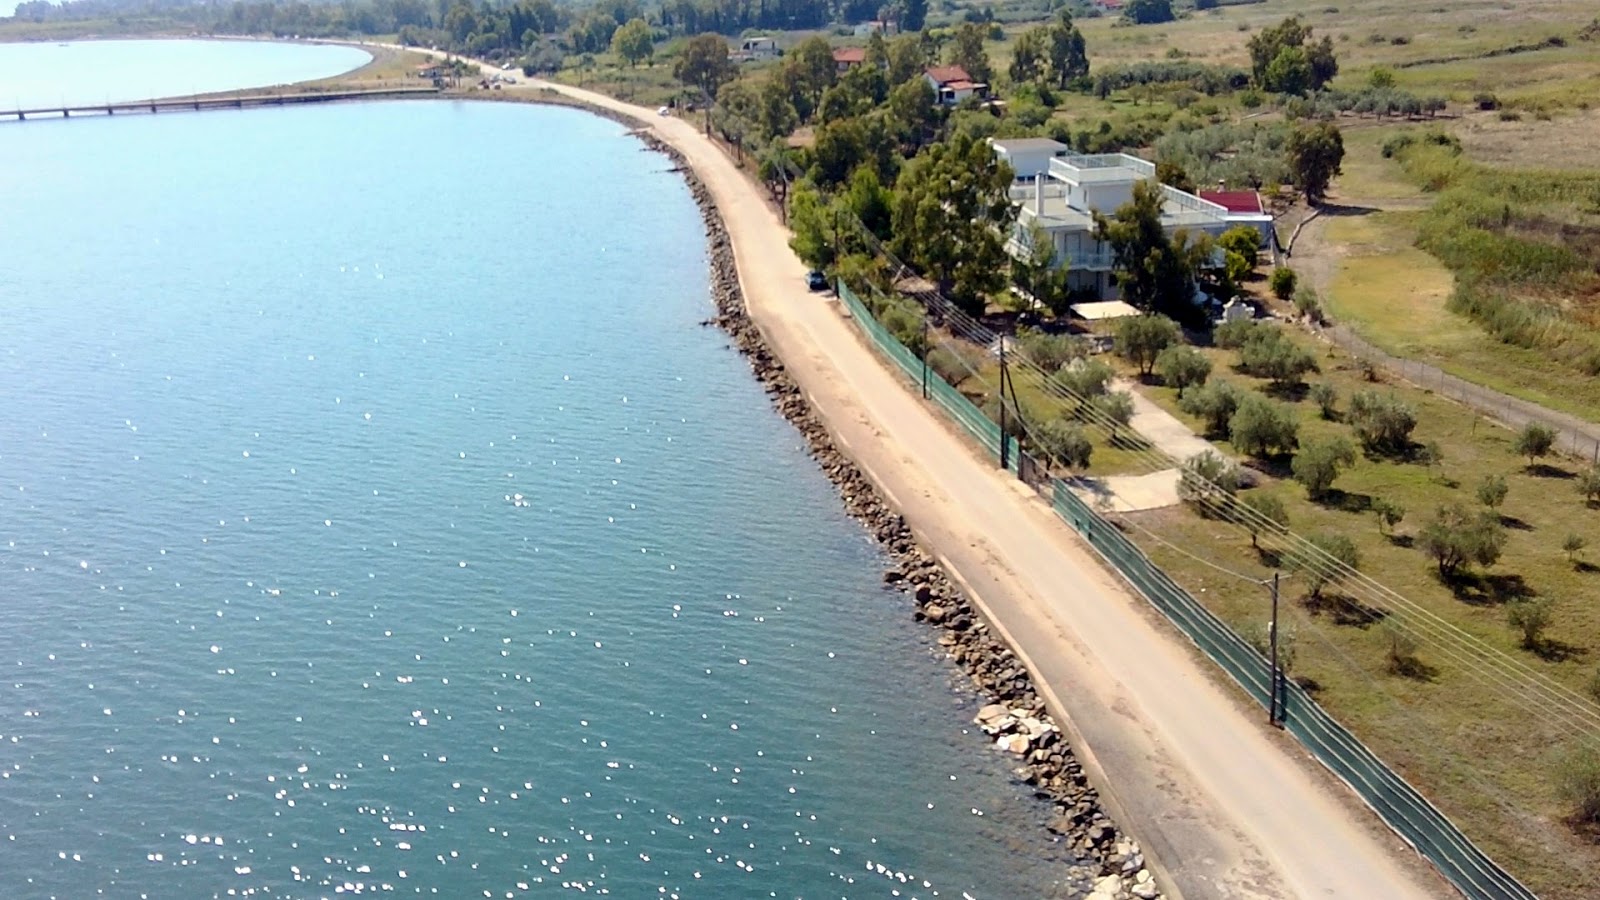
(1228, 808)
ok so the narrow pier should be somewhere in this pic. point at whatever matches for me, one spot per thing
(209, 102)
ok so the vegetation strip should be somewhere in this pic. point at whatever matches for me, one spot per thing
(1014, 713)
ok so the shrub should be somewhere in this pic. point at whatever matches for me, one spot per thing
(1014, 425)
(1084, 379)
(1456, 537)
(903, 319)
(954, 366)
(1534, 441)
(1262, 427)
(1243, 240)
(1207, 483)
(1051, 352)
(1268, 353)
(1214, 403)
(1492, 491)
(1282, 282)
(1307, 303)
(1531, 617)
(1588, 483)
(1578, 780)
(1258, 634)
(1400, 648)
(1234, 333)
(1182, 366)
(1065, 443)
(1325, 396)
(1323, 561)
(1319, 463)
(1262, 513)
(1140, 339)
(1572, 545)
(1115, 407)
(1382, 424)
(1594, 685)
(1389, 513)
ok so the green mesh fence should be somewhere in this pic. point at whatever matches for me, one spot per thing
(952, 401)
(1397, 802)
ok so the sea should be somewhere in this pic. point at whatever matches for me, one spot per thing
(378, 516)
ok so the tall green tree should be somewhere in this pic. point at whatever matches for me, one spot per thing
(951, 208)
(908, 58)
(704, 63)
(1029, 56)
(1148, 12)
(877, 56)
(967, 52)
(1284, 59)
(913, 14)
(1156, 272)
(913, 113)
(869, 201)
(633, 42)
(1140, 339)
(1039, 270)
(1067, 56)
(808, 70)
(775, 113)
(1315, 155)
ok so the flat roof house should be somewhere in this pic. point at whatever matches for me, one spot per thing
(1059, 192)
(1244, 208)
(952, 84)
(756, 49)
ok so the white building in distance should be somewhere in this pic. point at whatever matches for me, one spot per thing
(1059, 191)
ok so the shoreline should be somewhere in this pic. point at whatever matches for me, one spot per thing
(991, 668)
(1228, 808)
(1204, 840)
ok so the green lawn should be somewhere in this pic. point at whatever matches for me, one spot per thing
(1480, 756)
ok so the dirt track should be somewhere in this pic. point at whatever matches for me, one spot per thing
(1227, 807)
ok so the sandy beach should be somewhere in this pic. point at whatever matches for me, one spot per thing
(1224, 805)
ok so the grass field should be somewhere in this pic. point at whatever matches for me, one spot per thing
(1479, 753)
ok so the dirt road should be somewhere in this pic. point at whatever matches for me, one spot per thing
(1227, 807)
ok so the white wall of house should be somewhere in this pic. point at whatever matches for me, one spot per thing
(1028, 162)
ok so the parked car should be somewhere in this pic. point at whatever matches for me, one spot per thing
(816, 281)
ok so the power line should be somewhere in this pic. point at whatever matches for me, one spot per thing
(1482, 661)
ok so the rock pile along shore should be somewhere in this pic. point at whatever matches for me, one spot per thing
(1015, 715)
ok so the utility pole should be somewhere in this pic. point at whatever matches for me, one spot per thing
(836, 251)
(1275, 709)
(1005, 445)
(924, 354)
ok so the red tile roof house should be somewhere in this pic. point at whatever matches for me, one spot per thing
(952, 84)
(847, 58)
(1244, 208)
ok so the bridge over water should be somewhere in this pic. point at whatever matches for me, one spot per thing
(203, 103)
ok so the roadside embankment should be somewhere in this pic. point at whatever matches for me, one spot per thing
(1013, 712)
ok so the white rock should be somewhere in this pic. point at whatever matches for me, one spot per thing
(1145, 890)
(1143, 876)
(1111, 885)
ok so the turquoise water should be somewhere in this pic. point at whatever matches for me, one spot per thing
(84, 72)
(375, 513)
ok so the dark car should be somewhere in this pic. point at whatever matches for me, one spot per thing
(816, 281)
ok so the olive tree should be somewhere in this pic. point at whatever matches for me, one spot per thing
(1318, 464)
(1140, 339)
(1534, 441)
(1182, 366)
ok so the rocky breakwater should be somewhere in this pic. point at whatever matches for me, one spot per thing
(1015, 715)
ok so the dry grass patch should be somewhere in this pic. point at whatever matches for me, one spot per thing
(1572, 142)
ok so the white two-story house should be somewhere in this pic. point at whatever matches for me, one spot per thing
(1059, 191)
